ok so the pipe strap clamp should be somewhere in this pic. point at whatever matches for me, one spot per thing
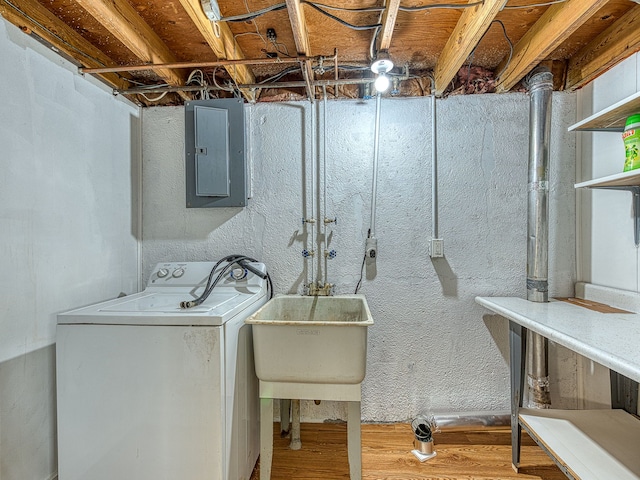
(541, 186)
(538, 285)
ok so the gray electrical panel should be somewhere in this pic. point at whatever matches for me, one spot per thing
(215, 160)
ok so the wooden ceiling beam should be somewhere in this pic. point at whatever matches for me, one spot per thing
(122, 20)
(31, 16)
(471, 26)
(619, 41)
(549, 32)
(223, 45)
(388, 24)
(301, 37)
(298, 26)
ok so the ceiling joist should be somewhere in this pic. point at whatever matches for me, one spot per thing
(548, 33)
(121, 19)
(471, 26)
(31, 16)
(301, 38)
(223, 45)
(388, 24)
(577, 39)
(619, 41)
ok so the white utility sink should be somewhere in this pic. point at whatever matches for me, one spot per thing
(300, 339)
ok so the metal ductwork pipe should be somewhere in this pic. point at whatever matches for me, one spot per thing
(540, 88)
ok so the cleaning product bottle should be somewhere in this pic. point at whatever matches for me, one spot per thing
(631, 137)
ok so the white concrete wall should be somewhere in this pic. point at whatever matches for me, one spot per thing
(606, 253)
(431, 348)
(69, 226)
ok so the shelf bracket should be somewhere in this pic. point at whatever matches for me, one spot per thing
(635, 192)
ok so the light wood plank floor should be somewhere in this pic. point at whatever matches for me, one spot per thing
(480, 454)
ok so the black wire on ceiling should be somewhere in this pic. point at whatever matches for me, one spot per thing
(504, 31)
(421, 8)
(245, 17)
(319, 7)
(322, 7)
(339, 20)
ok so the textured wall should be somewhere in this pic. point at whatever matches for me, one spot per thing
(431, 348)
(68, 229)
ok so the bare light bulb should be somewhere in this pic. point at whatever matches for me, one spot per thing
(382, 83)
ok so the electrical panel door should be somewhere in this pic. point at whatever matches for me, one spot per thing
(212, 151)
(215, 158)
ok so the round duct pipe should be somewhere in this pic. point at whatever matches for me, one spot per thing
(540, 88)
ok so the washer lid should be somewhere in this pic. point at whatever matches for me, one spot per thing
(153, 308)
(169, 303)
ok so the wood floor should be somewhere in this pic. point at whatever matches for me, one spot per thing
(480, 454)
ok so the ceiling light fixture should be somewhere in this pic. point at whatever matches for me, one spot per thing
(212, 11)
(382, 83)
(381, 66)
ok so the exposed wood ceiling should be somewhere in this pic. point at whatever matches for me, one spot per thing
(288, 49)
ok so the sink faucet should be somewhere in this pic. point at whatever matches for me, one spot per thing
(317, 289)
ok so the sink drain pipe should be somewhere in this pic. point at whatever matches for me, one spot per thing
(285, 415)
(540, 85)
(296, 443)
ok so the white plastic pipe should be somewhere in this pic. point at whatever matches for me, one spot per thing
(313, 184)
(285, 413)
(376, 149)
(434, 169)
(296, 443)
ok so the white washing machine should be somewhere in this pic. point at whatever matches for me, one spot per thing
(148, 390)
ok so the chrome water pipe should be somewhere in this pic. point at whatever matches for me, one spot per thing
(323, 214)
(540, 88)
(313, 185)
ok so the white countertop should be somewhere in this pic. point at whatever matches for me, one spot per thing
(611, 339)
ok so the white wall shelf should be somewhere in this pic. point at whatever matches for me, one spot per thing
(625, 179)
(611, 118)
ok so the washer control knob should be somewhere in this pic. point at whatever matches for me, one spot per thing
(163, 272)
(178, 272)
(238, 273)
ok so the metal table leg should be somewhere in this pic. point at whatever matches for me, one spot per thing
(624, 393)
(517, 350)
